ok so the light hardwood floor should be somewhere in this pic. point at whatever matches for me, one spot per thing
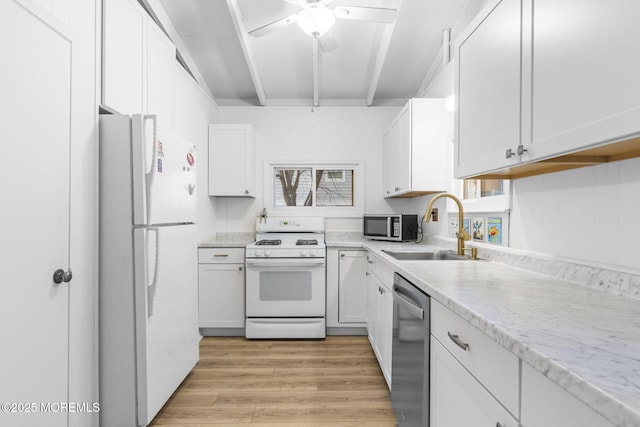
(333, 382)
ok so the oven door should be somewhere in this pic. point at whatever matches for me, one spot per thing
(285, 287)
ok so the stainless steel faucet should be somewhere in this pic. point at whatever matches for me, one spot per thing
(462, 235)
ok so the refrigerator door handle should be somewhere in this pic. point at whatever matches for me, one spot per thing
(152, 261)
(151, 164)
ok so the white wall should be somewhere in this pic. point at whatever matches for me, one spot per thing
(338, 133)
(586, 214)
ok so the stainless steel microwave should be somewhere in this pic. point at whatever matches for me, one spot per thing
(394, 227)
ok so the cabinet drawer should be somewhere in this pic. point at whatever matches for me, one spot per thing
(384, 272)
(221, 255)
(490, 363)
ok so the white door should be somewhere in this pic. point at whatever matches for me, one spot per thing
(34, 232)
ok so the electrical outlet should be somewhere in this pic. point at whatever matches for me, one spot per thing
(434, 214)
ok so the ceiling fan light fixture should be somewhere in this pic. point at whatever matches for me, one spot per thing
(316, 20)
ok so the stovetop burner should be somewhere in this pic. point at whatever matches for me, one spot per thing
(267, 242)
(306, 242)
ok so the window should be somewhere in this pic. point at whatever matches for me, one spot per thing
(486, 195)
(477, 188)
(323, 189)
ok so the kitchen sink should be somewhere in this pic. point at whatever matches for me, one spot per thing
(425, 255)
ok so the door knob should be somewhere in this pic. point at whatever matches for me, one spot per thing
(60, 276)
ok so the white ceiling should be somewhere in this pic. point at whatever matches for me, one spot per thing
(281, 61)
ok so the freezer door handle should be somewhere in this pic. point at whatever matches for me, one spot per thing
(151, 285)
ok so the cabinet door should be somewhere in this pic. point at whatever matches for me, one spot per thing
(453, 388)
(545, 404)
(402, 152)
(123, 56)
(586, 88)
(161, 57)
(488, 90)
(352, 295)
(384, 310)
(387, 166)
(372, 292)
(231, 160)
(221, 296)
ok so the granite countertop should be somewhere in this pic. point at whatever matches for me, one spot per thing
(585, 340)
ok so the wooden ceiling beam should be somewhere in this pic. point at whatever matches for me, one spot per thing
(243, 37)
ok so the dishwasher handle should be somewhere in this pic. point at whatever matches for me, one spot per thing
(408, 305)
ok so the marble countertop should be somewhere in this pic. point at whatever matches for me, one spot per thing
(585, 340)
(228, 240)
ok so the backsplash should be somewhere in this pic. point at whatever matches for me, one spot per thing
(612, 281)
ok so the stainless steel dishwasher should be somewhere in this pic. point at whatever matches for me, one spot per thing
(410, 353)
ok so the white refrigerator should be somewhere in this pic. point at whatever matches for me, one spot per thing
(148, 305)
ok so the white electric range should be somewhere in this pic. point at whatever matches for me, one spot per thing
(285, 280)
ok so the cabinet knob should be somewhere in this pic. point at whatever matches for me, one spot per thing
(397, 188)
(521, 150)
(499, 424)
(246, 191)
(388, 192)
(509, 153)
(240, 268)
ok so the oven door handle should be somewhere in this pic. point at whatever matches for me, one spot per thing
(285, 262)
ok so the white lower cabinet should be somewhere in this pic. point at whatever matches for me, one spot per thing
(221, 288)
(458, 399)
(470, 370)
(346, 288)
(380, 321)
(545, 404)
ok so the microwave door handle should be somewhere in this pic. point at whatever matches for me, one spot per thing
(389, 227)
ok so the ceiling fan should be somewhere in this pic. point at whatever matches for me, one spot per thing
(316, 18)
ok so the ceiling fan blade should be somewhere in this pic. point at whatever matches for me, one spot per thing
(328, 42)
(375, 14)
(273, 26)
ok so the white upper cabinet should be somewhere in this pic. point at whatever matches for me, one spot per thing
(161, 57)
(547, 80)
(488, 90)
(138, 63)
(586, 88)
(123, 32)
(232, 160)
(414, 146)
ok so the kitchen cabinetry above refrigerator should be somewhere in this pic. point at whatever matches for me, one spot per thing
(533, 98)
(137, 64)
(414, 146)
(232, 161)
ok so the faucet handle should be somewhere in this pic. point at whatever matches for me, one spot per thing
(462, 234)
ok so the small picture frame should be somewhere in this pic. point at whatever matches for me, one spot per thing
(478, 229)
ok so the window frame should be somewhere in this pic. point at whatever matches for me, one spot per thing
(501, 203)
(357, 210)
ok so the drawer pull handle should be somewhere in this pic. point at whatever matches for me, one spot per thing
(456, 339)
(220, 255)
